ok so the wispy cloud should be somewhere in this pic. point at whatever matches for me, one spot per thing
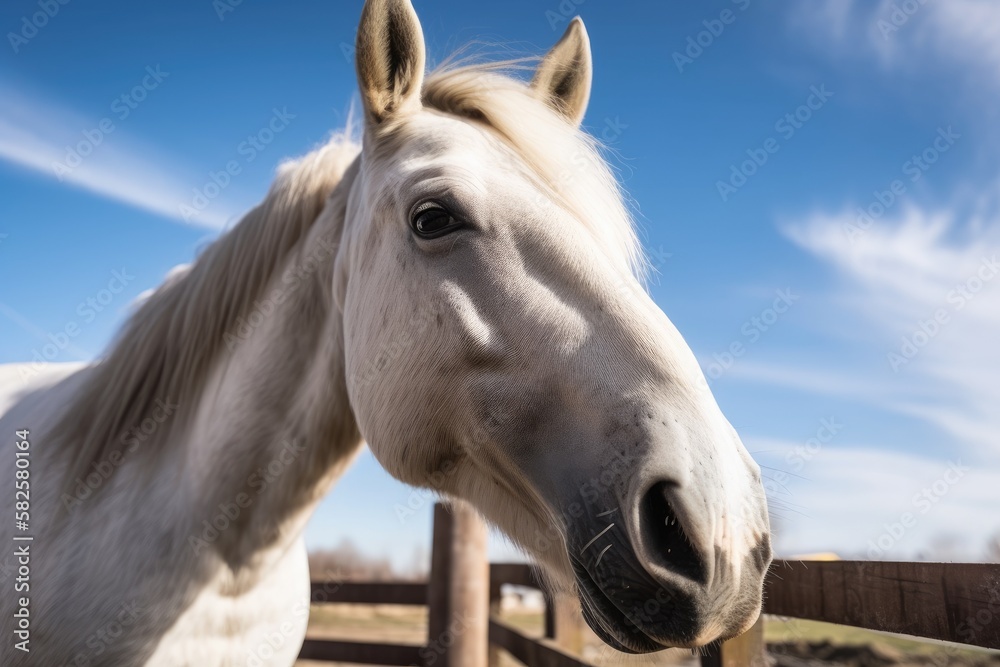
(918, 286)
(860, 501)
(926, 288)
(825, 382)
(39, 136)
(908, 330)
(963, 35)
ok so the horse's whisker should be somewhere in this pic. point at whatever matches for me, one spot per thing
(596, 537)
(601, 555)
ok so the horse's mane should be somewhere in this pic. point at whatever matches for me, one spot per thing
(168, 345)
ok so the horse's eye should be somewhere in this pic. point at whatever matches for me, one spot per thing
(434, 221)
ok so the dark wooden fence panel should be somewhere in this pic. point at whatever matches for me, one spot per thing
(515, 574)
(361, 653)
(369, 593)
(958, 602)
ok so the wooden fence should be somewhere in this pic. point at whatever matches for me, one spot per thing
(951, 602)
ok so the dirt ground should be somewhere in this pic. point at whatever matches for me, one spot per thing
(792, 643)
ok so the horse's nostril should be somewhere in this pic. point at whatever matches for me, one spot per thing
(664, 535)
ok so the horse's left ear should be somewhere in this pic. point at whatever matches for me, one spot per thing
(390, 57)
(565, 74)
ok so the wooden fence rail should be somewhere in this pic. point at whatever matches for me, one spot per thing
(362, 653)
(402, 593)
(955, 602)
(530, 651)
(945, 601)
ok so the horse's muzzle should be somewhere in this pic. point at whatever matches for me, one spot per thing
(644, 586)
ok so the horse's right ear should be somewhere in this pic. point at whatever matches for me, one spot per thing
(390, 58)
(564, 76)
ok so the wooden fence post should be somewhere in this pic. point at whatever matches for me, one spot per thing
(567, 623)
(459, 593)
(550, 616)
(496, 599)
(747, 650)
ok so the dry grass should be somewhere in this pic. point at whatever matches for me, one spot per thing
(408, 625)
(796, 630)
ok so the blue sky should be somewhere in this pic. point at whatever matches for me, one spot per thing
(748, 132)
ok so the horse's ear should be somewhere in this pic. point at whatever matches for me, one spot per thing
(390, 58)
(565, 74)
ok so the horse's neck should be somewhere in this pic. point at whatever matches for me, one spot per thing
(275, 428)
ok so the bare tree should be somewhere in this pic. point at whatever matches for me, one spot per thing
(947, 547)
(346, 563)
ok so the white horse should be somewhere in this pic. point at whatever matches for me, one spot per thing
(461, 292)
